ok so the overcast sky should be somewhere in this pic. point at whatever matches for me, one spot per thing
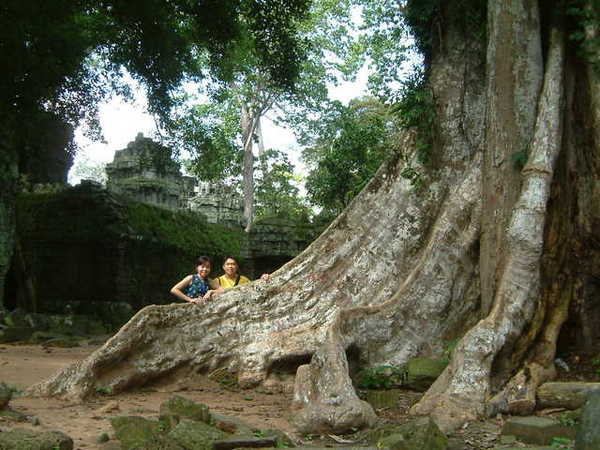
(122, 121)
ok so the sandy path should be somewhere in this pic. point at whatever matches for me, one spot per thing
(24, 365)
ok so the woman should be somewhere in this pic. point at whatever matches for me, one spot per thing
(198, 287)
(232, 277)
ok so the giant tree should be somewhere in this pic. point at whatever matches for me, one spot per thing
(492, 249)
(60, 59)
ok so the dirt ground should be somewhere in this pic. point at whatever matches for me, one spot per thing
(24, 365)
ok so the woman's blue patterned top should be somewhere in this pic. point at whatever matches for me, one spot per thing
(198, 288)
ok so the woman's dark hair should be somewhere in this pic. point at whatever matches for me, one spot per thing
(202, 260)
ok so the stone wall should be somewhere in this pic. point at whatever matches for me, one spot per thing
(86, 246)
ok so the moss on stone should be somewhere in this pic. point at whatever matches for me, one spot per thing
(23, 439)
(180, 407)
(136, 433)
(196, 435)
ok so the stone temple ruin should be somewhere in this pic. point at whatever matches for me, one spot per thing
(145, 171)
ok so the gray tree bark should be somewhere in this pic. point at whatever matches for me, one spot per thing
(397, 274)
(248, 124)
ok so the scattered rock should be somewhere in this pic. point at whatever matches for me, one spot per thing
(178, 407)
(536, 430)
(20, 438)
(104, 437)
(137, 432)
(416, 435)
(281, 438)
(34, 420)
(196, 435)
(588, 436)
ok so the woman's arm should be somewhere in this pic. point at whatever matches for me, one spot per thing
(177, 290)
(215, 287)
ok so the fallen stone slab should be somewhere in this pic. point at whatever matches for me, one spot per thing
(569, 395)
(243, 442)
(536, 430)
(21, 438)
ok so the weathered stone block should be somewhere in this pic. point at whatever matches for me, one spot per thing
(536, 430)
(196, 435)
(178, 407)
(570, 395)
(137, 432)
(588, 436)
(23, 439)
(417, 435)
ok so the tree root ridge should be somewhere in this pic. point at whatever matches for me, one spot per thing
(464, 389)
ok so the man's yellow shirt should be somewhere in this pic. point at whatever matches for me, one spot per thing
(226, 282)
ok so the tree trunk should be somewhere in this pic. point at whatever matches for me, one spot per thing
(398, 273)
(248, 126)
(8, 188)
(514, 78)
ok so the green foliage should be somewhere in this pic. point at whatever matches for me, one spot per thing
(276, 192)
(104, 390)
(561, 442)
(64, 57)
(596, 364)
(416, 110)
(184, 230)
(570, 418)
(351, 144)
(381, 377)
(449, 350)
(585, 14)
(208, 132)
(86, 169)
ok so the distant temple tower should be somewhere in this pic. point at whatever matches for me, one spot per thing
(146, 171)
